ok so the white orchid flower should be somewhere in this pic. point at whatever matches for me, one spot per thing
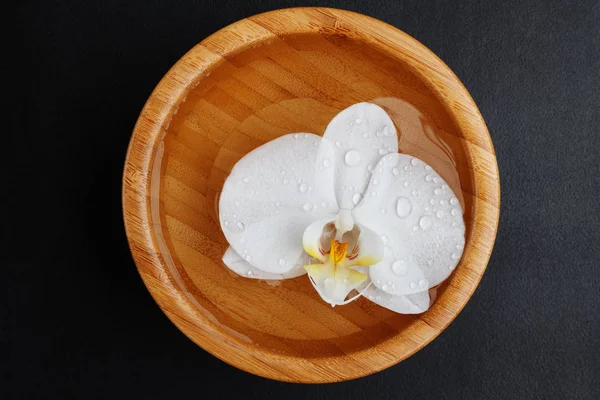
(378, 222)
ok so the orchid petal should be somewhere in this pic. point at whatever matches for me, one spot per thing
(410, 205)
(404, 304)
(353, 142)
(416, 303)
(237, 264)
(269, 199)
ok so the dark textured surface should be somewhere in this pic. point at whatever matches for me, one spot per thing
(76, 320)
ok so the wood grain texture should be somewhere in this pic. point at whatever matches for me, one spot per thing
(262, 77)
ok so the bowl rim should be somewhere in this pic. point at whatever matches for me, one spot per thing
(206, 332)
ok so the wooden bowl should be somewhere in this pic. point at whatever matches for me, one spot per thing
(268, 75)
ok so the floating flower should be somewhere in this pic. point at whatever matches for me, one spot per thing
(379, 223)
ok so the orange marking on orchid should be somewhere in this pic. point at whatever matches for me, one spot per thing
(338, 251)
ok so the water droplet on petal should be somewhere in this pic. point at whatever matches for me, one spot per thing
(370, 167)
(283, 172)
(423, 283)
(245, 180)
(428, 178)
(324, 204)
(226, 223)
(415, 193)
(286, 182)
(414, 162)
(326, 162)
(353, 158)
(403, 207)
(406, 183)
(386, 131)
(303, 187)
(374, 194)
(425, 223)
(413, 285)
(384, 287)
(250, 273)
(296, 136)
(282, 261)
(385, 240)
(249, 259)
(443, 202)
(358, 121)
(356, 198)
(307, 207)
(400, 267)
(436, 179)
(338, 143)
(437, 192)
(241, 226)
(454, 212)
(454, 201)
(383, 152)
(430, 263)
(415, 228)
(428, 168)
(440, 214)
(455, 256)
(396, 171)
(383, 211)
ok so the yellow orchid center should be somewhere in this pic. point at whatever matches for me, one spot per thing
(341, 248)
(333, 276)
(338, 251)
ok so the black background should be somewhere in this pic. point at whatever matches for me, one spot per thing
(76, 320)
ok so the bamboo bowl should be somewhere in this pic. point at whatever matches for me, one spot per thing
(262, 77)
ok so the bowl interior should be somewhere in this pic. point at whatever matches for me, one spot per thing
(292, 83)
